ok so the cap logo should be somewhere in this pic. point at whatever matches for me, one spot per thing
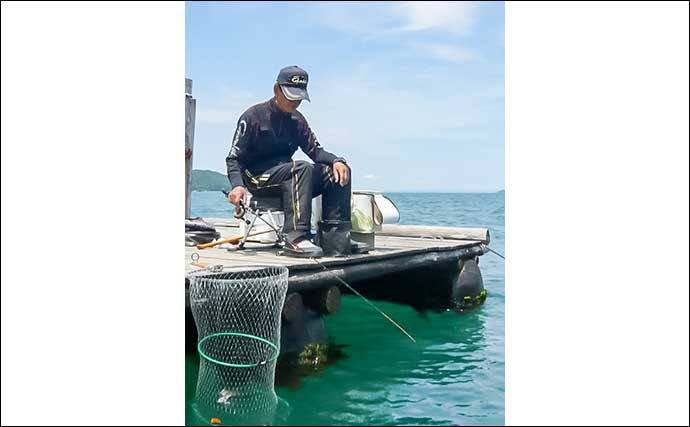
(299, 80)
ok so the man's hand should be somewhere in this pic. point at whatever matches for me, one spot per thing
(237, 194)
(341, 173)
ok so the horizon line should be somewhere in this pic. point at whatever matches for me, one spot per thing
(440, 191)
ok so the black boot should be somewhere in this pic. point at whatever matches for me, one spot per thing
(358, 247)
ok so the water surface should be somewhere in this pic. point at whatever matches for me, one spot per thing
(453, 375)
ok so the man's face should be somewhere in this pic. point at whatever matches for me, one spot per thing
(284, 103)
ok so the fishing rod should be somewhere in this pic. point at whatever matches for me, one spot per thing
(281, 236)
(491, 250)
(483, 245)
(368, 302)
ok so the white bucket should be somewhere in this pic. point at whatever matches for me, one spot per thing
(389, 212)
(370, 210)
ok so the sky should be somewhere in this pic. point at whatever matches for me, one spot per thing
(410, 93)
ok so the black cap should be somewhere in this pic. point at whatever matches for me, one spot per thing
(293, 81)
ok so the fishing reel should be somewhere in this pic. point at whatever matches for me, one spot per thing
(239, 213)
(240, 210)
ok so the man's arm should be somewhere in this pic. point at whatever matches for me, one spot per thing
(238, 150)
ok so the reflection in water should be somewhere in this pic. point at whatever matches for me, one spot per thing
(293, 367)
(402, 390)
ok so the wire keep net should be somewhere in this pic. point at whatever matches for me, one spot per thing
(237, 314)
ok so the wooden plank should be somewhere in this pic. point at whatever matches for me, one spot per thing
(316, 277)
(453, 233)
(270, 253)
(393, 253)
(415, 231)
(383, 240)
(386, 242)
(190, 116)
(268, 257)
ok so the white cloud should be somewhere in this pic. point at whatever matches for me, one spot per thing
(446, 52)
(371, 176)
(353, 17)
(385, 18)
(453, 17)
(383, 110)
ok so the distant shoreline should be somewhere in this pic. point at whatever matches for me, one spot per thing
(399, 192)
(208, 180)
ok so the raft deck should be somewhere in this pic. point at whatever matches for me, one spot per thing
(398, 248)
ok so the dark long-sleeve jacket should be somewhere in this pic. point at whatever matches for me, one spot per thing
(266, 136)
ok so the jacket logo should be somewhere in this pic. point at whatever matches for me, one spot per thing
(241, 129)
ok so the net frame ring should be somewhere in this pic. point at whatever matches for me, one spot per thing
(273, 358)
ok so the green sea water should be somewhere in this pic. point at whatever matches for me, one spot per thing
(453, 375)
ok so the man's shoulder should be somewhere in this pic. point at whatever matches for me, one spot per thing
(255, 110)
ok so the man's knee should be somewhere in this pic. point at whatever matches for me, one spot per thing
(303, 166)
